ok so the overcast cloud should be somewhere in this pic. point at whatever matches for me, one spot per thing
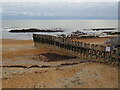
(60, 10)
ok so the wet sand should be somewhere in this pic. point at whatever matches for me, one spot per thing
(97, 40)
(93, 40)
(35, 72)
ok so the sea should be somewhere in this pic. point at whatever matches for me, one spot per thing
(67, 26)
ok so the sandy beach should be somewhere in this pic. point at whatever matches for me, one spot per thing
(59, 44)
(26, 66)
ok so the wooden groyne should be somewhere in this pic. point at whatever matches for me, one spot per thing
(86, 51)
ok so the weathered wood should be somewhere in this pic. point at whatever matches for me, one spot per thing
(85, 51)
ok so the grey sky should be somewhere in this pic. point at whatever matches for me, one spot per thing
(60, 10)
